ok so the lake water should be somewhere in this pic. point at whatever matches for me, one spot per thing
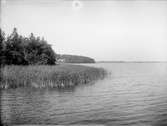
(135, 94)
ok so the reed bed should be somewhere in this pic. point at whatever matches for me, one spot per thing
(59, 76)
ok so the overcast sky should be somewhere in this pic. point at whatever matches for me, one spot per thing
(101, 29)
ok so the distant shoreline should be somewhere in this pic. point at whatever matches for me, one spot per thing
(131, 61)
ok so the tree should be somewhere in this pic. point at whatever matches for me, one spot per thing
(2, 39)
(39, 52)
(15, 49)
(21, 50)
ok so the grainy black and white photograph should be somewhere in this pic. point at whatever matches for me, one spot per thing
(83, 62)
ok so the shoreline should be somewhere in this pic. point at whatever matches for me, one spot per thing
(46, 76)
(131, 62)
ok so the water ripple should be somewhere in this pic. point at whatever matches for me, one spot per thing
(135, 94)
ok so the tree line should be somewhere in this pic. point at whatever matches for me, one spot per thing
(76, 59)
(20, 50)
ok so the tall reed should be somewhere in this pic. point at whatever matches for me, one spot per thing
(43, 76)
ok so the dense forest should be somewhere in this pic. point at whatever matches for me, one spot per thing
(75, 59)
(20, 50)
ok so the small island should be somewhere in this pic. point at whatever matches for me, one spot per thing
(31, 62)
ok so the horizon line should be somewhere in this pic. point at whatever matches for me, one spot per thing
(123, 61)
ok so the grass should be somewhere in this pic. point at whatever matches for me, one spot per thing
(58, 76)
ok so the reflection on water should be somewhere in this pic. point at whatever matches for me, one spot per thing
(134, 94)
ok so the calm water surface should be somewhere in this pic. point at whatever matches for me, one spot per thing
(135, 95)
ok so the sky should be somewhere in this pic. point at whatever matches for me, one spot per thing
(131, 30)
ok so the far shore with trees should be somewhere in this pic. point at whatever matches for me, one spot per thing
(74, 59)
(31, 62)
